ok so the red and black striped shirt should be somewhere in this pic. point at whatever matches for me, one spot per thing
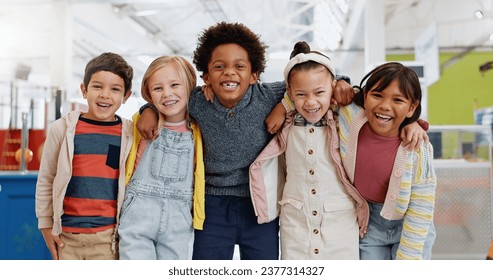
(90, 203)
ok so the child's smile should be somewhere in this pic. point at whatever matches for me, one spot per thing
(383, 118)
(168, 93)
(230, 85)
(105, 93)
(387, 109)
(229, 74)
(103, 105)
(311, 91)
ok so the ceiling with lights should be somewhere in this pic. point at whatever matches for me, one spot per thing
(142, 30)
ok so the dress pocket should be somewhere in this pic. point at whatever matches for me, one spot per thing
(339, 219)
(293, 222)
(339, 205)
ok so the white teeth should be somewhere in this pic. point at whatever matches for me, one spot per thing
(312, 111)
(230, 85)
(104, 105)
(168, 103)
(383, 116)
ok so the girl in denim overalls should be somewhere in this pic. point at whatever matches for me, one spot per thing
(156, 221)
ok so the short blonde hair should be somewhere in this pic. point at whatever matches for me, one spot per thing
(181, 64)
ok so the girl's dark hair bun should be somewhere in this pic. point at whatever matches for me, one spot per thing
(300, 47)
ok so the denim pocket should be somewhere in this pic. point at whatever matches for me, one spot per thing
(127, 202)
(171, 164)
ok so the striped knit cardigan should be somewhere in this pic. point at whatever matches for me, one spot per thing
(411, 192)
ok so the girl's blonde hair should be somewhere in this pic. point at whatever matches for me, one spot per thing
(181, 64)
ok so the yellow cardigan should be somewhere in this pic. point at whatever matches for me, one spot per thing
(199, 171)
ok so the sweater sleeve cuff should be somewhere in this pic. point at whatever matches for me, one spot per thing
(147, 105)
(287, 103)
(342, 77)
(45, 222)
(424, 124)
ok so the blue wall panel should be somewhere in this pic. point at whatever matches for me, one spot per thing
(20, 238)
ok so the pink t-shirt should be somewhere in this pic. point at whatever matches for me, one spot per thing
(374, 162)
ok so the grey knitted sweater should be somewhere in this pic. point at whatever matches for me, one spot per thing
(233, 138)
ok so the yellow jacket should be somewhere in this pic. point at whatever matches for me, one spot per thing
(199, 171)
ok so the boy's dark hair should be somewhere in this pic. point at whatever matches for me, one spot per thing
(229, 33)
(383, 75)
(113, 63)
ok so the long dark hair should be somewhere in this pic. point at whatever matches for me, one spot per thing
(383, 75)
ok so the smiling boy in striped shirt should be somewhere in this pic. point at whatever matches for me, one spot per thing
(81, 181)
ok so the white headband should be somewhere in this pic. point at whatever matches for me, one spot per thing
(304, 57)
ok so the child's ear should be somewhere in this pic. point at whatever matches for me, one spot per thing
(334, 83)
(83, 90)
(206, 79)
(412, 109)
(126, 96)
(253, 78)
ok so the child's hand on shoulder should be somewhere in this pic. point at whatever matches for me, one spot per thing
(413, 135)
(343, 93)
(147, 125)
(275, 119)
(208, 93)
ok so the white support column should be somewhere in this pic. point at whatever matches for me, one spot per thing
(61, 49)
(374, 33)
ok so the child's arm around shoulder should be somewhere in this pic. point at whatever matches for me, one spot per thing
(414, 134)
(277, 116)
(147, 124)
(343, 92)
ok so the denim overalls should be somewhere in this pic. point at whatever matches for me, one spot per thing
(156, 221)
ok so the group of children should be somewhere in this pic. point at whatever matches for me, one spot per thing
(330, 184)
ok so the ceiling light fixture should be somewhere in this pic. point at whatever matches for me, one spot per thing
(478, 14)
(146, 13)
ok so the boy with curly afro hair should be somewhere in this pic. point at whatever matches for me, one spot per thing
(223, 34)
(231, 58)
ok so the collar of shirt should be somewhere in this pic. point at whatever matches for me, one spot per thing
(300, 121)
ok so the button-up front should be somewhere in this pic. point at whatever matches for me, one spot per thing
(318, 217)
